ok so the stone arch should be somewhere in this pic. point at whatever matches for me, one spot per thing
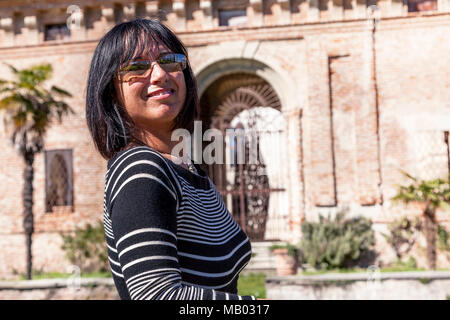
(227, 92)
(212, 72)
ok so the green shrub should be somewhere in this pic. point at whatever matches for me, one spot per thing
(410, 264)
(337, 243)
(86, 248)
(443, 239)
(292, 250)
(403, 234)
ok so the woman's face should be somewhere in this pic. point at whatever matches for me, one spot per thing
(142, 98)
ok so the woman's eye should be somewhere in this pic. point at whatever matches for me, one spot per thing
(138, 66)
(166, 60)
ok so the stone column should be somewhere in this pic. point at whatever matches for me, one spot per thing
(76, 22)
(7, 31)
(151, 9)
(359, 9)
(30, 29)
(129, 11)
(20, 37)
(313, 11)
(336, 9)
(257, 14)
(206, 6)
(443, 5)
(179, 9)
(396, 8)
(285, 7)
(108, 16)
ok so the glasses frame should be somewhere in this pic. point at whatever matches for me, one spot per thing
(179, 58)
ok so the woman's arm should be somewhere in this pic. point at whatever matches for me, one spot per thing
(143, 204)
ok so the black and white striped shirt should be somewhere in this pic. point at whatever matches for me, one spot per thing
(168, 232)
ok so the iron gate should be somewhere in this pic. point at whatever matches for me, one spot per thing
(244, 185)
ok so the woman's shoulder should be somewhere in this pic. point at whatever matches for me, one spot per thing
(141, 161)
(133, 154)
(136, 165)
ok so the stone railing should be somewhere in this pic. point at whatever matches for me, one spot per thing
(59, 289)
(361, 286)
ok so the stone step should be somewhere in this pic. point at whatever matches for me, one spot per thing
(262, 258)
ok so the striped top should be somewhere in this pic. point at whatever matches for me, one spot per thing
(168, 232)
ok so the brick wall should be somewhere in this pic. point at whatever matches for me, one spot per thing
(323, 74)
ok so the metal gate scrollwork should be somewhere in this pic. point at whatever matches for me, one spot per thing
(245, 188)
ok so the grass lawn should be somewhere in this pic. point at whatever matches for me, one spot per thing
(59, 275)
(252, 284)
(362, 270)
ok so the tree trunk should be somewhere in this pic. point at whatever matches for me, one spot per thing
(430, 228)
(28, 223)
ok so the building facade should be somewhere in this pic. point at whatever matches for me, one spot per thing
(347, 93)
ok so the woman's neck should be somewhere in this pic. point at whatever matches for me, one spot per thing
(160, 141)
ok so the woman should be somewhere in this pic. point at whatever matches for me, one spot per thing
(169, 235)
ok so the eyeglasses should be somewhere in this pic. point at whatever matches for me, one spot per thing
(171, 62)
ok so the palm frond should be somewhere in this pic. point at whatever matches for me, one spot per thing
(60, 91)
(12, 68)
(406, 174)
(30, 107)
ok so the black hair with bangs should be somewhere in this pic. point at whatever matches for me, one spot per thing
(119, 46)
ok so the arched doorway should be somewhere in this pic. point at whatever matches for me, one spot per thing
(246, 109)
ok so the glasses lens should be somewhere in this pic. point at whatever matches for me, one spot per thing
(172, 62)
(135, 69)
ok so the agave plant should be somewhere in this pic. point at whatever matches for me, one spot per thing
(29, 109)
(432, 194)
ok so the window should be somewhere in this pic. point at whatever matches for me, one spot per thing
(58, 179)
(56, 32)
(421, 5)
(233, 18)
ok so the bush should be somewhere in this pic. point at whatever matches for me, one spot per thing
(86, 248)
(291, 249)
(443, 239)
(403, 234)
(337, 243)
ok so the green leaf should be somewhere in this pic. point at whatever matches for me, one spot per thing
(60, 91)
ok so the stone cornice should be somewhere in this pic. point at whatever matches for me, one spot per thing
(19, 5)
(273, 33)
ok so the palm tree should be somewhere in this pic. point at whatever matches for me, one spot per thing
(29, 110)
(433, 194)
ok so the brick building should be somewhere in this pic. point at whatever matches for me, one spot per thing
(358, 94)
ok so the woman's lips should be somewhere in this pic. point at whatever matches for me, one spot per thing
(161, 94)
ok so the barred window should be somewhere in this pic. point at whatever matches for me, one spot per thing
(56, 32)
(233, 18)
(422, 5)
(58, 179)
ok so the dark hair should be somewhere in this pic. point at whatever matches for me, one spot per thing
(117, 47)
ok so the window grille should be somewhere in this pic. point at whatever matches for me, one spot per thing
(233, 18)
(56, 32)
(422, 5)
(58, 179)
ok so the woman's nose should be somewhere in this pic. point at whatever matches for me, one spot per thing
(158, 74)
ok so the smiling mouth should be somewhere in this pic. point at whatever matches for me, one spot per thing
(161, 93)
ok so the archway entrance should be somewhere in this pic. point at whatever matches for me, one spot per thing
(246, 109)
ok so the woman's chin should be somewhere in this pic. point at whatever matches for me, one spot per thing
(165, 111)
